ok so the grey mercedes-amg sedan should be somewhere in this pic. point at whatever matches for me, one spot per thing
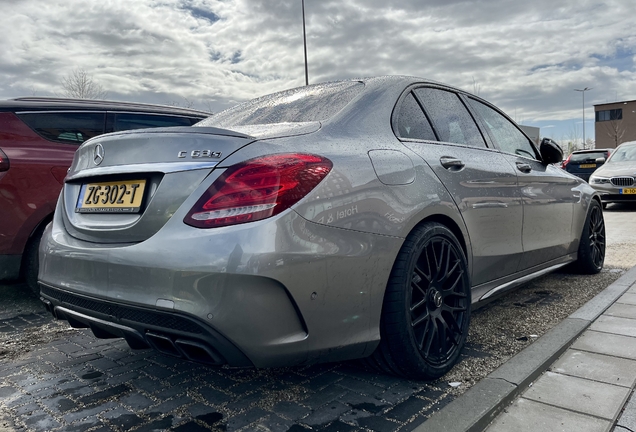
(352, 219)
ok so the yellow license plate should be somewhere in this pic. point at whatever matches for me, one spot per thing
(123, 196)
(628, 191)
(587, 166)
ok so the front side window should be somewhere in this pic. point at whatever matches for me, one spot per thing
(509, 138)
(411, 121)
(452, 121)
(67, 127)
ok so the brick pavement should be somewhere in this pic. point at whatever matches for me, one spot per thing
(80, 383)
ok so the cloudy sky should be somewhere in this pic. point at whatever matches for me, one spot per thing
(526, 57)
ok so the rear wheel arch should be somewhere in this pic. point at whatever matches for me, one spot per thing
(460, 234)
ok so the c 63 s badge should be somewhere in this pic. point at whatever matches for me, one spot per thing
(196, 154)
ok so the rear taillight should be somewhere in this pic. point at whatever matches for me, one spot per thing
(4, 161)
(257, 189)
(565, 162)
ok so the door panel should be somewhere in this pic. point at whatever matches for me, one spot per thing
(486, 193)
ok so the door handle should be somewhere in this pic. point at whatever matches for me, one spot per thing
(451, 163)
(524, 167)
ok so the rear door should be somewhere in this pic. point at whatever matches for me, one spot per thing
(481, 182)
(548, 194)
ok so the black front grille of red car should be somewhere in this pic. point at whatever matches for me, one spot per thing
(130, 314)
(622, 181)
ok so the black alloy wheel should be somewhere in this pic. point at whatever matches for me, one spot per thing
(591, 253)
(426, 310)
(439, 304)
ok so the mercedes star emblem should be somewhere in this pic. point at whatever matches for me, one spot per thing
(98, 154)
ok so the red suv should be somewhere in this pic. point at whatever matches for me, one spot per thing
(38, 137)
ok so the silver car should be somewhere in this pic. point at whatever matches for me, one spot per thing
(615, 179)
(352, 219)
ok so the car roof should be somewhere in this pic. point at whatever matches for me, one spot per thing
(592, 150)
(65, 104)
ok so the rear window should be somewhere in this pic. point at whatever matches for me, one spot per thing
(68, 127)
(587, 157)
(305, 104)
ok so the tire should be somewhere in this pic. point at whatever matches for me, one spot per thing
(426, 309)
(591, 253)
(30, 260)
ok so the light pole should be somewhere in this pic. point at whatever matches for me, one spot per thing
(583, 93)
(305, 45)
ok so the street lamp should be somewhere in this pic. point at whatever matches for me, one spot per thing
(583, 93)
(305, 45)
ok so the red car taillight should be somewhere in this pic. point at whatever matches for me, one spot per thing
(4, 161)
(565, 162)
(257, 189)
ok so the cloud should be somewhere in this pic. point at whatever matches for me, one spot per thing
(526, 57)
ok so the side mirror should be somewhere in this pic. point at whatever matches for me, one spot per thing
(550, 151)
(600, 160)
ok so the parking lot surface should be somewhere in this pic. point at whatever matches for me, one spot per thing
(53, 377)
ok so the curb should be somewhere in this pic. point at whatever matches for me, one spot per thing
(477, 408)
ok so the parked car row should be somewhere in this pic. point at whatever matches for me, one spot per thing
(38, 138)
(342, 220)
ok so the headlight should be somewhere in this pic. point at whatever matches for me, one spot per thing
(599, 180)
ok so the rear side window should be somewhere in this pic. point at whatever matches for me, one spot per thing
(317, 102)
(411, 121)
(452, 121)
(509, 138)
(68, 127)
(129, 121)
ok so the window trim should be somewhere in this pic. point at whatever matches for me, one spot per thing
(77, 144)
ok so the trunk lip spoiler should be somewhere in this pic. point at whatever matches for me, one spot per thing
(162, 167)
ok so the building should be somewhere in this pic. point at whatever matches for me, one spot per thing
(614, 123)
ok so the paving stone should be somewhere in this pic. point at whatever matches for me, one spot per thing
(378, 424)
(248, 386)
(104, 364)
(54, 357)
(190, 426)
(213, 396)
(27, 408)
(324, 396)
(577, 394)
(622, 310)
(414, 424)
(245, 419)
(604, 343)
(615, 325)
(78, 361)
(59, 404)
(157, 371)
(360, 386)
(74, 388)
(407, 409)
(245, 402)
(99, 396)
(321, 381)
(88, 412)
(363, 402)
(627, 298)
(69, 348)
(291, 410)
(137, 401)
(528, 416)
(123, 378)
(354, 415)
(147, 384)
(7, 391)
(399, 392)
(598, 367)
(40, 420)
(129, 367)
(122, 418)
(326, 414)
(338, 426)
(218, 381)
(158, 425)
(273, 423)
(170, 405)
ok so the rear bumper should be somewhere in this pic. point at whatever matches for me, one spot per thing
(174, 334)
